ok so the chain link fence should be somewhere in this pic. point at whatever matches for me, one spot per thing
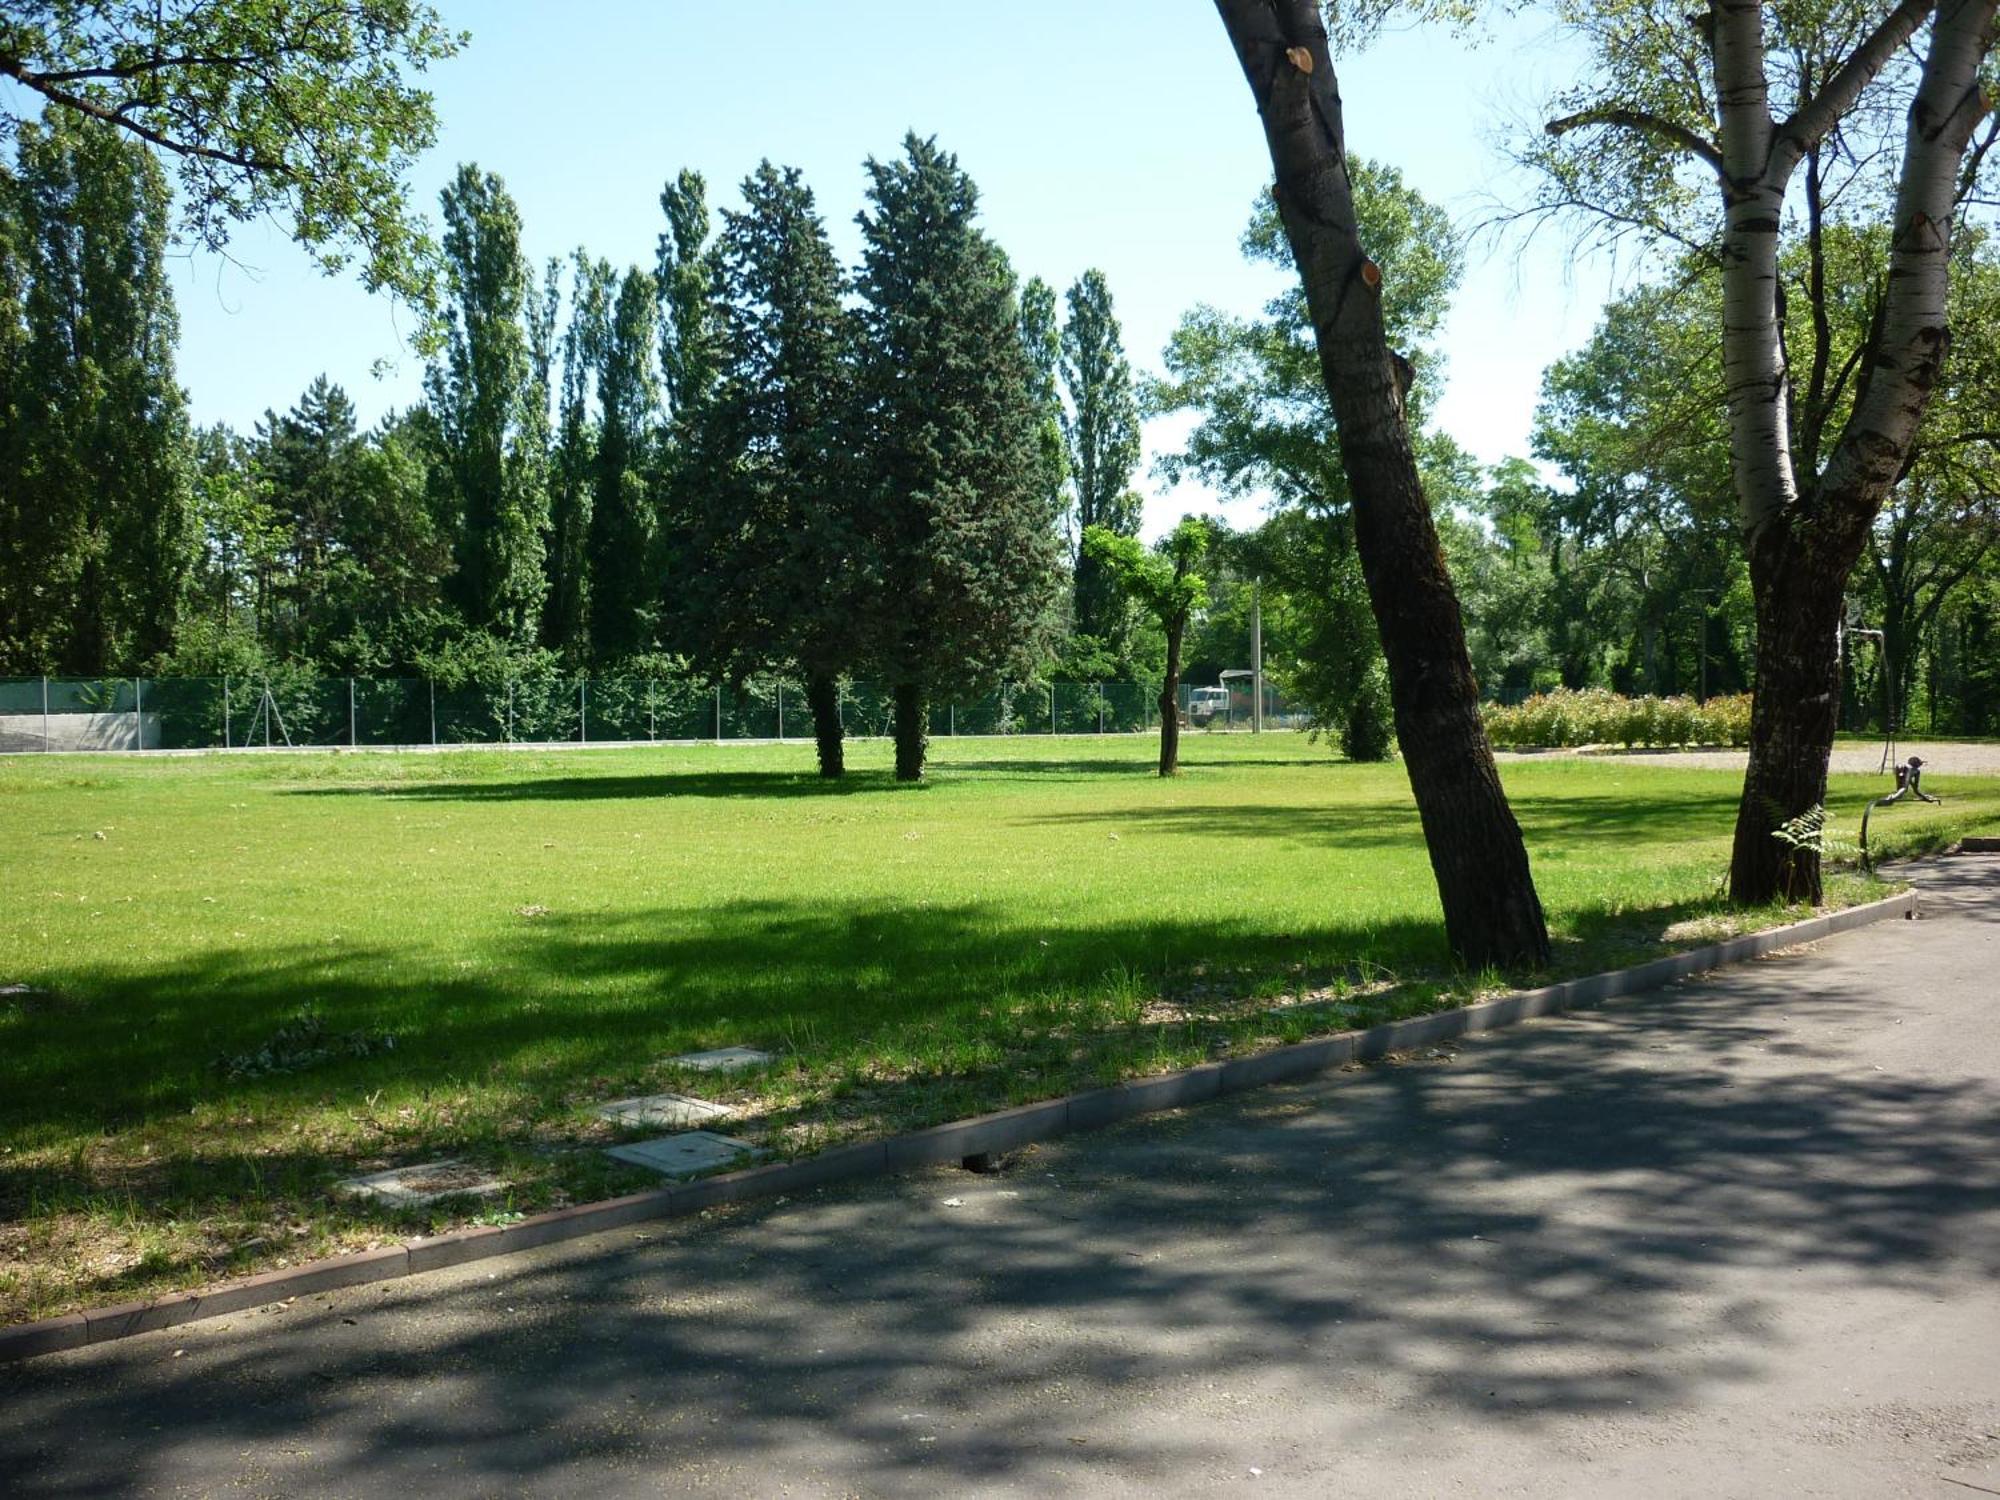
(40, 714)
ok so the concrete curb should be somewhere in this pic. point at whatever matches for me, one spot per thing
(1979, 844)
(1004, 1130)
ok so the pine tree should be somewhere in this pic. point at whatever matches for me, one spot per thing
(1102, 432)
(773, 573)
(491, 404)
(956, 511)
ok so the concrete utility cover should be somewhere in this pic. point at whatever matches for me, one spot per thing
(661, 1109)
(723, 1059)
(684, 1155)
(410, 1187)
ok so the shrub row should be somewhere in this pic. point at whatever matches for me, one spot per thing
(1595, 716)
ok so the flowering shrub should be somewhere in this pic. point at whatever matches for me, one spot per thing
(1596, 716)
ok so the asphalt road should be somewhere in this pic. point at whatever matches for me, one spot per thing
(1740, 1237)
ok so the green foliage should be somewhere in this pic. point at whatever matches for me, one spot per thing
(263, 106)
(1595, 716)
(97, 529)
(1165, 580)
(491, 406)
(1101, 432)
(774, 564)
(622, 540)
(952, 450)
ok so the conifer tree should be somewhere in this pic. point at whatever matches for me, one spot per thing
(957, 510)
(775, 575)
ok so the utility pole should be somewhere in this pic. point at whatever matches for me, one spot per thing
(1256, 656)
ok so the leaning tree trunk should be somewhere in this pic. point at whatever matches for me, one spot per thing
(1799, 595)
(823, 698)
(912, 731)
(1491, 912)
(1170, 705)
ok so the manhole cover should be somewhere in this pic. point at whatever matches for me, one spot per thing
(722, 1059)
(686, 1154)
(408, 1187)
(661, 1109)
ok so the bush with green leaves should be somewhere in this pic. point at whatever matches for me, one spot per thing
(1594, 716)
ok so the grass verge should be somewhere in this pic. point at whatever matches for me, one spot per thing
(252, 976)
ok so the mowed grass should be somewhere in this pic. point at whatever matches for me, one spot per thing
(254, 976)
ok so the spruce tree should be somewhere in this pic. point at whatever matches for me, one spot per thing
(773, 573)
(485, 393)
(1102, 432)
(957, 511)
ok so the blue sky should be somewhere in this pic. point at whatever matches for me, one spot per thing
(1109, 133)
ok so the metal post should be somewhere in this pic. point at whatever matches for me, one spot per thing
(225, 710)
(138, 713)
(353, 739)
(781, 713)
(1256, 656)
(951, 718)
(510, 710)
(432, 681)
(583, 710)
(718, 713)
(45, 715)
(1052, 708)
(652, 704)
(1100, 708)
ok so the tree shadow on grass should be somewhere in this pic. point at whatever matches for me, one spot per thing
(1576, 1220)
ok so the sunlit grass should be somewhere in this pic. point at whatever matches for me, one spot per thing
(457, 954)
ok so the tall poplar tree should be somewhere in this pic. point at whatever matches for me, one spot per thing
(624, 597)
(775, 573)
(573, 463)
(958, 514)
(1041, 338)
(1102, 432)
(491, 404)
(97, 529)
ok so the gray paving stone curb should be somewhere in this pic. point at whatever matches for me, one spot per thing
(1003, 1130)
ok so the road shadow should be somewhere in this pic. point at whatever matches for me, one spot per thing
(1590, 1217)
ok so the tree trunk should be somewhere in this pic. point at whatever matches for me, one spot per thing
(823, 698)
(1799, 597)
(1170, 705)
(912, 731)
(1491, 911)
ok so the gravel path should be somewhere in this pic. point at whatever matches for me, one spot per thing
(1941, 759)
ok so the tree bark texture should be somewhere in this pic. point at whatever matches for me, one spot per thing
(1170, 704)
(1804, 536)
(823, 698)
(912, 731)
(1491, 910)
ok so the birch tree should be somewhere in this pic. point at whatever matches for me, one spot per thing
(1729, 132)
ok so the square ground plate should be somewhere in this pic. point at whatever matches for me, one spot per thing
(661, 1109)
(685, 1155)
(411, 1187)
(722, 1059)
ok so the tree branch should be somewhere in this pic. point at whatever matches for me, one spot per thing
(1809, 124)
(1690, 141)
(123, 118)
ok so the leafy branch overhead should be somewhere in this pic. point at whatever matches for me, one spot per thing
(305, 112)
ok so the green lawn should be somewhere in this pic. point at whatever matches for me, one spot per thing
(260, 974)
